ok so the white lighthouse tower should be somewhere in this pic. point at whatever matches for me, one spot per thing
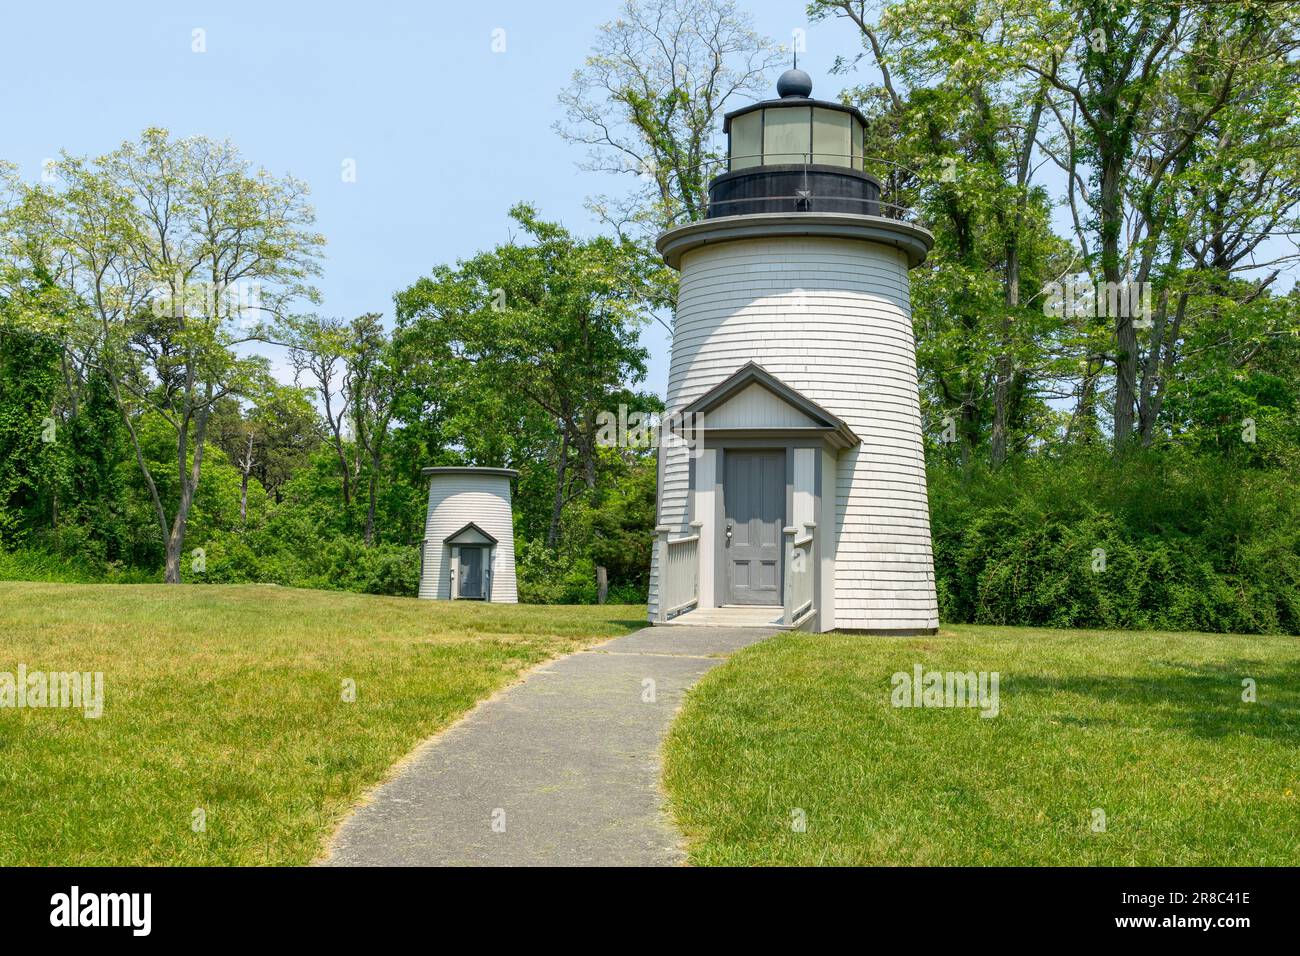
(792, 486)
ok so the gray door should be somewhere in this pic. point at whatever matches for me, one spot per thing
(471, 572)
(753, 495)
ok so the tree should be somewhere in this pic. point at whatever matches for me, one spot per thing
(1140, 82)
(650, 98)
(171, 254)
(952, 136)
(319, 350)
(374, 375)
(1175, 128)
(269, 440)
(554, 323)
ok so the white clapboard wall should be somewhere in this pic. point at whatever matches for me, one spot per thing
(832, 319)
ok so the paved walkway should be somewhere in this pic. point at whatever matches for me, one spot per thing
(561, 769)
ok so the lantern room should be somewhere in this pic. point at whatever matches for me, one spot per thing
(794, 154)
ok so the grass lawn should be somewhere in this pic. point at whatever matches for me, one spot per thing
(228, 699)
(1149, 728)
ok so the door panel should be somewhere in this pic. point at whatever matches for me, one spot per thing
(471, 572)
(754, 500)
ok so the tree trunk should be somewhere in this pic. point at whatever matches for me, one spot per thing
(1166, 371)
(336, 433)
(553, 535)
(176, 536)
(370, 511)
(189, 485)
(245, 469)
(1002, 368)
(1112, 224)
(1083, 421)
(343, 469)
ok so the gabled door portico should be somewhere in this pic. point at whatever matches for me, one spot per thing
(763, 460)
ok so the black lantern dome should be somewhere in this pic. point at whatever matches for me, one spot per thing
(794, 82)
(794, 154)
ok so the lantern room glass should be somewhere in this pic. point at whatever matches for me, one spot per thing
(747, 140)
(793, 135)
(786, 135)
(830, 137)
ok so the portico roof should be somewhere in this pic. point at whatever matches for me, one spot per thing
(833, 428)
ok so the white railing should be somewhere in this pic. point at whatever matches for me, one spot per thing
(679, 571)
(800, 557)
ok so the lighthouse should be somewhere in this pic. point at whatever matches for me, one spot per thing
(791, 489)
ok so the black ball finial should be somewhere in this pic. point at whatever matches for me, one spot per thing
(794, 82)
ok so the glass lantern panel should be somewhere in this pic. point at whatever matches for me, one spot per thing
(786, 135)
(831, 138)
(747, 140)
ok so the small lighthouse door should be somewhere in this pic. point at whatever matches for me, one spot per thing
(471, 572)
(753, 495)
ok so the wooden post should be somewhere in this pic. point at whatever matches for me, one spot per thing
(696, 526)
(420, 581)
(788, 596)
(602, 584)
(661, 613)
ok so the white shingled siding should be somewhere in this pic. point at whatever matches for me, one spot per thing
(832, 319)
(454, 501)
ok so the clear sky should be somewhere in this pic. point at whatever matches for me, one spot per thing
(446, 134)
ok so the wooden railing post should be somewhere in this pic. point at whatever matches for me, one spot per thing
(787, 601)
(661, 612)
(696, 525)
(810, 529)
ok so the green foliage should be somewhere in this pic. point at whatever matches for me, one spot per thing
(30, 454)
(546, 576)
(1165, 541)
(36, 565)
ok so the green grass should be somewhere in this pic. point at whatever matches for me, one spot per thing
(1148, 727)
(228, 699)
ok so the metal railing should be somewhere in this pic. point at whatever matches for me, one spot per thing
(857, 162)
(807, 197)
(679, 571)
(800, 560)
(805, 200)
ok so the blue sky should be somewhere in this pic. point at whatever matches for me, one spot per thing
(445, 133)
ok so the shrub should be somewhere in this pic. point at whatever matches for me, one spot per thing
(550, 577)
(1157, 540)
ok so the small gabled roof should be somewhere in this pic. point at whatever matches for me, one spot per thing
(451, 538)
(751, 373)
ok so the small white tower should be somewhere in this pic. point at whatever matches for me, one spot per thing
(793, 486)
(468, 551)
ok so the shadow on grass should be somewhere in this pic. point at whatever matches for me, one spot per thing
(1203, 700)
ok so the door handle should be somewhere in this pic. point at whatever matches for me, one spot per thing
(729, 530)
